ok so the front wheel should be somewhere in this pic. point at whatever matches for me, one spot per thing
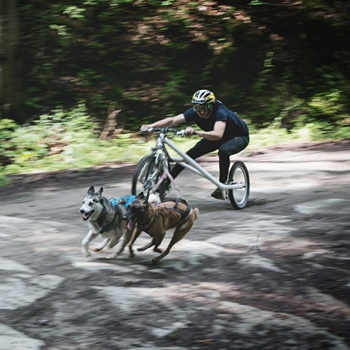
(239, 175)
(147, 173)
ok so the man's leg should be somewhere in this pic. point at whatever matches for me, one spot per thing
(233, 146)
(199, 149)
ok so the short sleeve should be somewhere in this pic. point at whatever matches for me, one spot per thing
(190, 115)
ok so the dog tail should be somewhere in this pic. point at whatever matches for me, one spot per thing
(195, 213)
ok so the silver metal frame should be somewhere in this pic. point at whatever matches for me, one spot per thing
(188, 163)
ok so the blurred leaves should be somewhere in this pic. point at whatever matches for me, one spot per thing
(259, 57)
(62, 140)
(70, 139)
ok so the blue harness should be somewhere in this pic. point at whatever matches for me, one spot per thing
(125, 200)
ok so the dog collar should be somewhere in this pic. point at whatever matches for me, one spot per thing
(102, 216)
(105, 227)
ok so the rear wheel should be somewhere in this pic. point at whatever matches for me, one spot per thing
(239, 175)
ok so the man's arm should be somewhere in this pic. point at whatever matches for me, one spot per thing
(216, 134)
(166, 122)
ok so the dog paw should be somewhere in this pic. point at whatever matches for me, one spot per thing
(96, 250)
(86, 254)
(131, 252)
(157, 250)
(155, 261)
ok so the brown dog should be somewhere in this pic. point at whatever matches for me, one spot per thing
(157, 219)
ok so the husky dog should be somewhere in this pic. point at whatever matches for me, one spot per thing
(104, 219)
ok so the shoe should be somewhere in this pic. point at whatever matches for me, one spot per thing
(217, 194)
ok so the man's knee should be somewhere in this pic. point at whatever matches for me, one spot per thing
(233, 147)
(225, 152)
(229, 149)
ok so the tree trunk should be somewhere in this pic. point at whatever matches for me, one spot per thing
(10, 91)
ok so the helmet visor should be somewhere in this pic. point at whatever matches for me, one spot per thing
(202, 108)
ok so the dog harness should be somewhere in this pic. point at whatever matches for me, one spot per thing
(125, 200)
(181, 212)
(100, 219)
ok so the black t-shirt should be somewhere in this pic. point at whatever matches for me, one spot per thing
(235, 126)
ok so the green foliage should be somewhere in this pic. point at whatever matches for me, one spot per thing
(68, 140)
(150, 56)
(7, 127)
(32, 146)
(7, 130)
(74, 12)
(327, 104)
(138, 53)
(63, 140)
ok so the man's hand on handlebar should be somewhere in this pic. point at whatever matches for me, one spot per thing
(144, 128)
(189, 131)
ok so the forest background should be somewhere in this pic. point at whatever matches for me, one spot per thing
(282, 65)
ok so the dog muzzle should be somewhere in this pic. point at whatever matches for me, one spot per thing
(86, 215)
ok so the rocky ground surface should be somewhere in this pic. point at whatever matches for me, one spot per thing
(275, 275)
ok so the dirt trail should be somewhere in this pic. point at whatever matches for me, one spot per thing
(275, 275)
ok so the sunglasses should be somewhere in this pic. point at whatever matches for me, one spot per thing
(202, 108)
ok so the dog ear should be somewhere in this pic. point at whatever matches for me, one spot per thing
(145, 200)
(91, 190)
(100, 191)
